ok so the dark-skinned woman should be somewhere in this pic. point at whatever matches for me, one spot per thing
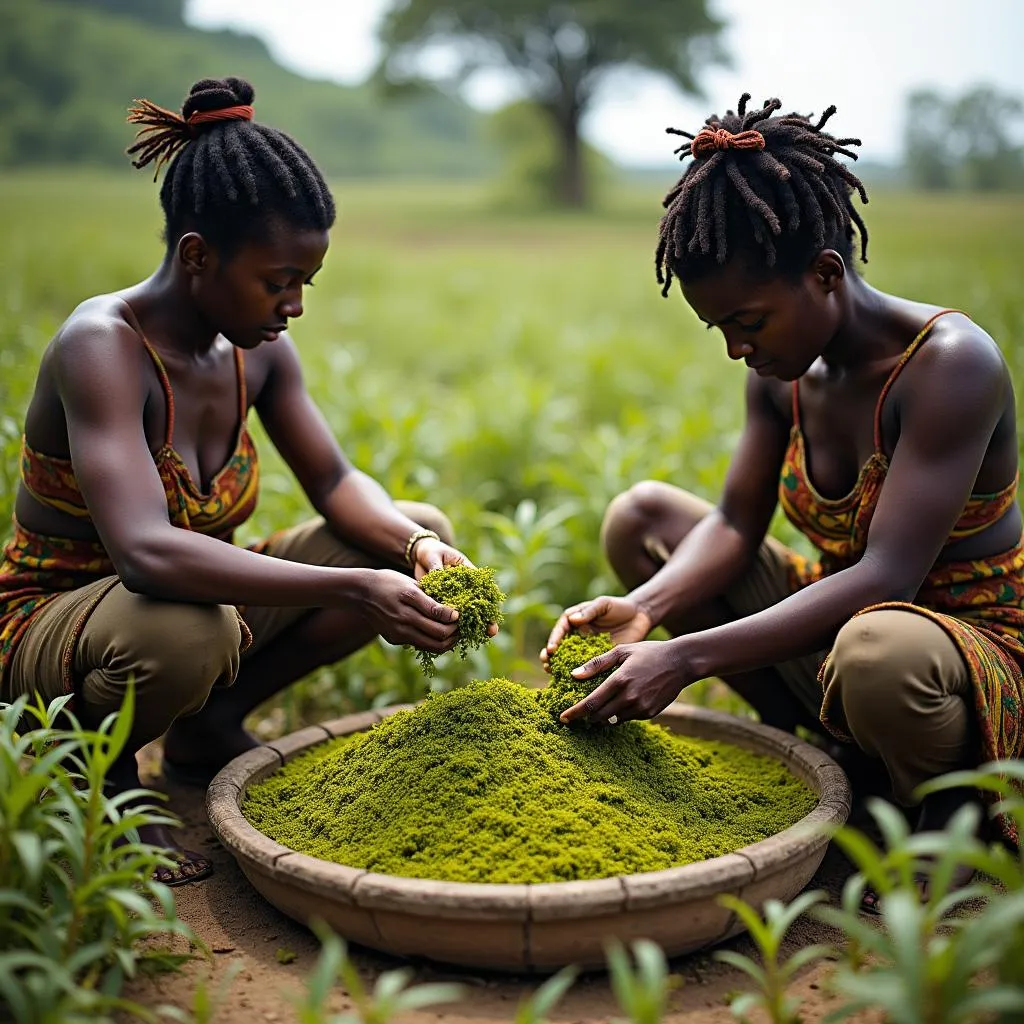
(138, 466)
(884, 427)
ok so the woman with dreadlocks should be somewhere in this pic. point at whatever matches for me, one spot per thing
(884, 427)
(138, 466)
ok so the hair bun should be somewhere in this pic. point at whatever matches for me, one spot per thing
(210, 94)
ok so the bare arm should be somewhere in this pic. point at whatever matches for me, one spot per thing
(947, 421)
(100, 383)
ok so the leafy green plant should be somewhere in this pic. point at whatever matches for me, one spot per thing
(642, 993)
(78, 890)
(530, 547)
(391, 995)
(772, 976)
(1004, 780)
(919, 976)
(536, 1008)
(924, 864)
(929, 963)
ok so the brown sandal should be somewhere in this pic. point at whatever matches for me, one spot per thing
(190, 867)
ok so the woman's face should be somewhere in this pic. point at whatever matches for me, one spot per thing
(778, 326)
(250, 296)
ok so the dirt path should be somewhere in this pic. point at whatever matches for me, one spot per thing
(241, 927)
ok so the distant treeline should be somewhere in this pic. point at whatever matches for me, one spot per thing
(70, 68)
(967, 141)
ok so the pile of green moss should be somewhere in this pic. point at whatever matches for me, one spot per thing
(564, 691)
(481, 784)
(475, 595)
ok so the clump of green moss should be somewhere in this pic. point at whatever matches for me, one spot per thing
(480, 784)
(475, 595)
(564, 690)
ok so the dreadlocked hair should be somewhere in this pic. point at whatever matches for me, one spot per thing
(767, 190)
(227, 176)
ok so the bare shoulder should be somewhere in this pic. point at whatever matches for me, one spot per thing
(96, 343)
(961, 357)
(98, 329)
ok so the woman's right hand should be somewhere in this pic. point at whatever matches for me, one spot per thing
(623, 618)
(403, 614)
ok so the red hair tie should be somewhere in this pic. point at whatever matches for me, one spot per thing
(709, 140)
(241, 112)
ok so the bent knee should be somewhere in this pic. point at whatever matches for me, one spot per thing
(181, 645)
(884, 662)
(173, 653)
(187, 632)
(644, 507)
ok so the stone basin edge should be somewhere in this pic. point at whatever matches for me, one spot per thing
(518, 902)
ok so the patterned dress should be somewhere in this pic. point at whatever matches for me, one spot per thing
(979, 603)
(34, 569)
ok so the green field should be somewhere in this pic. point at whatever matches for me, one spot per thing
(518, 371)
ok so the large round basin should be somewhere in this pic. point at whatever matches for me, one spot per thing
(525, 928)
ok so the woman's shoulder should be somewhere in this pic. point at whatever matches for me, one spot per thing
(102, 325)
(956, 373)
(954, 346)
(98, 341)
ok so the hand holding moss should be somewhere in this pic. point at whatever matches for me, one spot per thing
(475, 595)
(621, 618)
(565, 691)
(640, 681)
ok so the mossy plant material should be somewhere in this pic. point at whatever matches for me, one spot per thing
(481, 784)
(475, 595)
(564, 690)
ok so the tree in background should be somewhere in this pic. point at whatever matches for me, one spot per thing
(560, 51)
(964, 142)
(928, 159)
(531, 158)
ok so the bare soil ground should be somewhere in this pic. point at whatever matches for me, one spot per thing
(242, 928)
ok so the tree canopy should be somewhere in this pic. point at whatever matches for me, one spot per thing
(562, 52)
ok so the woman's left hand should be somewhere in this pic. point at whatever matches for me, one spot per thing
(430, 554)
(647, 677)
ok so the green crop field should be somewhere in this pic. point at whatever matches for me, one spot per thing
(517, 370)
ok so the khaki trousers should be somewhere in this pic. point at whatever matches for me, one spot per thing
(175, 652)
(903, 689)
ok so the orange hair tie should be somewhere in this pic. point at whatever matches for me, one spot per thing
(241, 112)
(711, 140)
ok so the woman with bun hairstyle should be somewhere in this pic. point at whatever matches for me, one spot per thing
(884, 428)
(137, 467)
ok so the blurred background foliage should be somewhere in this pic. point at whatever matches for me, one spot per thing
(69, 69)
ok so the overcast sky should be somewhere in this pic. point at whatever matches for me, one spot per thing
(864, 56)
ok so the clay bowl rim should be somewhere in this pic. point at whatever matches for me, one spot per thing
(513, 901)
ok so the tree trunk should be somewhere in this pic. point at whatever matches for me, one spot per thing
(572, 186)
